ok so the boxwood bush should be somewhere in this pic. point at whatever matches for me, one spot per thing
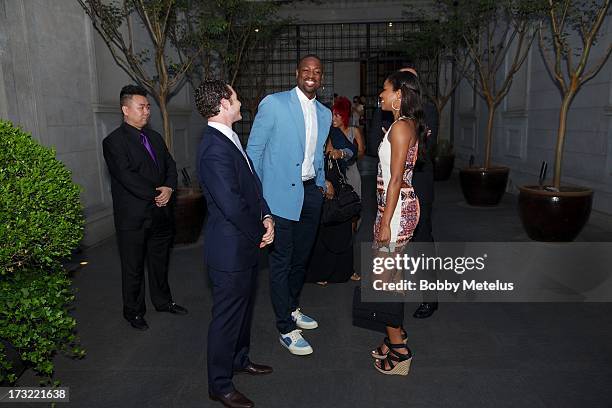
(41, 222)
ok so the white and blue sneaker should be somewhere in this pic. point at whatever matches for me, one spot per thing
(295, 343)
(302, 321)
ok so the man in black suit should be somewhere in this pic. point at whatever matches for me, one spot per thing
(422, 181)
(239, 224)
(143, 177)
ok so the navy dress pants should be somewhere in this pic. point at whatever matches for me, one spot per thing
(229, 333)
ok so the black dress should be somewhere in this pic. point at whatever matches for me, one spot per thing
(332, 257)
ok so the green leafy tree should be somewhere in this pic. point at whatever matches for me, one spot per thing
(238, 38)
(567, 37)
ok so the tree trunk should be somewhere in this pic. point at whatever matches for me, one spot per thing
(163, 109)
(565, 105)
(489, 139)
(441, 122)
(162, 71)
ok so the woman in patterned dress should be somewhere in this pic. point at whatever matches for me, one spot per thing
(398, 206)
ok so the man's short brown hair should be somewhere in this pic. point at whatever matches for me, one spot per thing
(208, 97)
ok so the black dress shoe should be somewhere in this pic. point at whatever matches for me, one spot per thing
(234, 399)
(137, 322)
(425, 310)
(254, 369)
(174, 309)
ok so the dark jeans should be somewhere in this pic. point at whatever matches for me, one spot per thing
(293, 242)
(151, 243)
(229, 333)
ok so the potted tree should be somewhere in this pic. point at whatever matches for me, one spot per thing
(440, 51)
(167, 23)
(559, 212)
(443, 160)
(497, 31)
(165, 77)
(189, 210)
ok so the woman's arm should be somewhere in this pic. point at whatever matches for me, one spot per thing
(336, 153)
(401, 137)
(328, 146)
(360, 143)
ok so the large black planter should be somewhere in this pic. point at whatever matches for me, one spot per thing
(189, 212)
(443, 167)
(554, 216)
(483, 187)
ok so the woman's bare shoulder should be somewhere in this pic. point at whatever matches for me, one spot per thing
(403, 126)
(406, 123)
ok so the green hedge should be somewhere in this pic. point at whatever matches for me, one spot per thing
(40, 213)
(41, 222)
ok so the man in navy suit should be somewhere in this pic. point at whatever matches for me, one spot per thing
(286, 144)
(239, 224)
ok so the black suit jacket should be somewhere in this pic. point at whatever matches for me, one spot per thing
(422, 179)
(236, 206)
(135, 176)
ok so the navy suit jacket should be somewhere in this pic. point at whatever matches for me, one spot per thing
(235, 202)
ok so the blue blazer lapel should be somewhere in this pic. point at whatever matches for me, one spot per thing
(298, 116)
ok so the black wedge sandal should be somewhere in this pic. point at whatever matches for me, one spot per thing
(395, 363)
(378, 352)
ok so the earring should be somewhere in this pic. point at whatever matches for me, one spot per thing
(393, 106)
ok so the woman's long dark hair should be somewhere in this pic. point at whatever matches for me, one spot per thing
(411, 104)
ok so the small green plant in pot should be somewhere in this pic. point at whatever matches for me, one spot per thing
(41, 222)
(443, 160)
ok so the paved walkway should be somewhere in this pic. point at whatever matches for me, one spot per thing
(466, 355)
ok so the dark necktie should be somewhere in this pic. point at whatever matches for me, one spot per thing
(145, 142)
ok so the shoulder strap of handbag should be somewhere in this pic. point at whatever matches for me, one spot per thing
(342, 179)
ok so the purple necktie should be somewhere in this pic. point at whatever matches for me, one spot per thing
(145, 141)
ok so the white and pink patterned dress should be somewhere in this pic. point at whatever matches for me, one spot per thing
(406, 215)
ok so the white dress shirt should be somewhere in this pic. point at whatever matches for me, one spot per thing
(231, 135)
(309, 109)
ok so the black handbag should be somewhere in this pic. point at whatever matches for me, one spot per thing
(346, 204)
(374, 315)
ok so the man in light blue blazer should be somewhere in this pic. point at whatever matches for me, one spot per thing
(286, 146)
